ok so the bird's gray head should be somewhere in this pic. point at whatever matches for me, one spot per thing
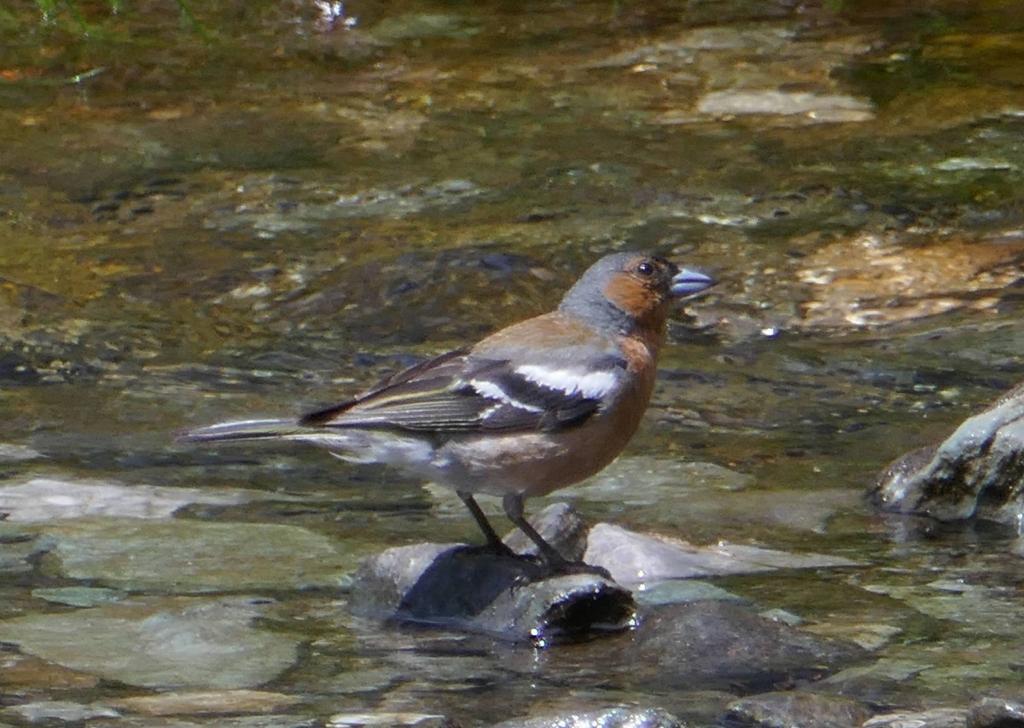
(625, 290)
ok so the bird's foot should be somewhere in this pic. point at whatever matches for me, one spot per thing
(564, 567)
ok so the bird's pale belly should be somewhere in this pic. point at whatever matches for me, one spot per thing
(535, 463)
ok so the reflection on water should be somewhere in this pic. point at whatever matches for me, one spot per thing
(262, 215)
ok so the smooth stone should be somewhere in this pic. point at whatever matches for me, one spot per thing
(795, 708)
(50, 499)
(474, 589)
(417, 720)
(11, 453)
(196, 556)
(207, 702)
(816, 107)
(79, 596)
(872, 279)
(717, 644)
(27, 672)
(635, 558)
(64, 711)
(976, 471)
(935, 718)
(995, 713)
(173, 642)
(681, 591)
(608, 718)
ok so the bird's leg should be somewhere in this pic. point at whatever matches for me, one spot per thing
(493, 539)
(513, 503)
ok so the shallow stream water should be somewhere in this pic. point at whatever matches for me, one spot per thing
(259, 207)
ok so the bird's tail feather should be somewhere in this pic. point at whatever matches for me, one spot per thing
(243, 430)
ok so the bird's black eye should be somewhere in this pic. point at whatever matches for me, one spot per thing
(646, 268)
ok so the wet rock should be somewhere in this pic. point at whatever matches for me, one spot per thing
(206, 702)
(176, 642)
(11, 453)
(609, 718)
(935, 718)
(196, 556)
(48, 499)
(681, 591)
(875, 280)
(79, 596)
(416, 720)
(976, 471)
(713, 644)
(63, 711)
(814, 108)
(794, 709)
(462, 587)
(27, 672)
(995, 713)
(633, 558)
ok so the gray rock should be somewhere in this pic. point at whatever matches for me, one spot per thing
(79, 596)
(474, 589)
(389, 720)
(46, 711)
(716, 644)
(995, 713)
(174, 642)
(935, 718)
(196, 556)
(49, 499)
(11, 453)
(976, 471)
(794, 709)
(634, 558)
(608, 718)
(814, 107)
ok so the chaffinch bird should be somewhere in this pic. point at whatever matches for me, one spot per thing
(532, 408)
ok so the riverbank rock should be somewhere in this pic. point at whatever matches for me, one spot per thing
(978, 471)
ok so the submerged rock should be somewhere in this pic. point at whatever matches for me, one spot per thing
(390, 720)
(976, 471)
(712, 644)
(175, 642)
(196, 556)
(796, 708)
(621, 717)
(206, 702)
(934, 718)
(469, 588)
(49, 499)
(63, 711)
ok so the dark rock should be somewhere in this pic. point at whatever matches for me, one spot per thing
(795, 709)
(995, 713)
(976, 471)
(474, 589)
(609, 718)
(716, 644)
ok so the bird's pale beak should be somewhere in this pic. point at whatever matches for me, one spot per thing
(687, 282)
